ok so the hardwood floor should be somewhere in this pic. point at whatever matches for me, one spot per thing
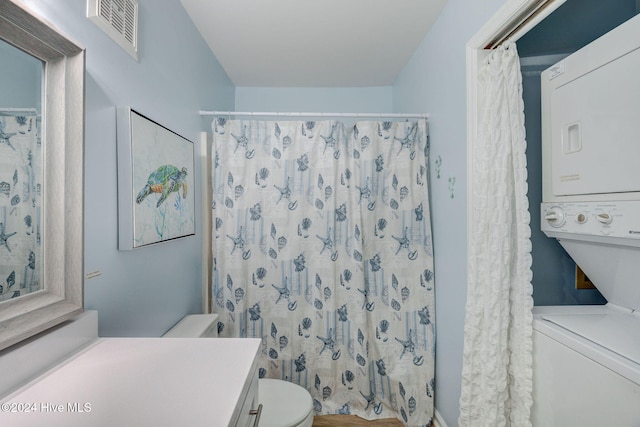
(352, 421)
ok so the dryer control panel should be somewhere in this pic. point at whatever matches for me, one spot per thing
(603, 219)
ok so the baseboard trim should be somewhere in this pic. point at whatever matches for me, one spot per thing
(437, 420)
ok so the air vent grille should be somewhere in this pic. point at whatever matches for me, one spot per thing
(119, 19)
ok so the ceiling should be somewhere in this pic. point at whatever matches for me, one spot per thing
(305, 43)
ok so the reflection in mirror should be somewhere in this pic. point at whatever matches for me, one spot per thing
(41, 175)
(20, 173)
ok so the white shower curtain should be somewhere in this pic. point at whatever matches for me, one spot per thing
(322, 248)
(497, 358)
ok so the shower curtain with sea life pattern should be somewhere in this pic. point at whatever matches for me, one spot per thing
(20, 203)
(322, 248)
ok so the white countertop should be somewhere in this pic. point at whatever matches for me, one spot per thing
(140, 382)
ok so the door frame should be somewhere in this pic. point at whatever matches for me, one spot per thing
(515, 18)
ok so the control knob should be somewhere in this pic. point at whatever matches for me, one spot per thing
(581, 218)
(604, 218)
(555, 217)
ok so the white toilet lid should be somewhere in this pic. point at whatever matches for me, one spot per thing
(284, 404)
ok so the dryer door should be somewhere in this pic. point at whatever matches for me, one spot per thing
(591, 109)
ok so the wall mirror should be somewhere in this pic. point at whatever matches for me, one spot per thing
(41, 175)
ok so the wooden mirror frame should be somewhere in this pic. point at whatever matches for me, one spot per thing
(61, 297)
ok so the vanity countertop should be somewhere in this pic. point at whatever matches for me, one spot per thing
(138, 382)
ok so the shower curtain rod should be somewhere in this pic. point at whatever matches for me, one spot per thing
(305, 114)
(527, 19)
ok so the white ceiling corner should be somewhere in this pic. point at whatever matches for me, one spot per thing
(321, 43)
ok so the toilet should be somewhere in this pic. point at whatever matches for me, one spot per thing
(284, 404)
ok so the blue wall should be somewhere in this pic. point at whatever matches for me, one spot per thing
(435, 81)
(575, 24)
(145, 291)
(21, 83)
(332, 100)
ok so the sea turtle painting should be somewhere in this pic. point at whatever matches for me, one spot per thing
(164, 180)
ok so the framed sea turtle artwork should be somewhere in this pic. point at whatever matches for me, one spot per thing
(156, 198)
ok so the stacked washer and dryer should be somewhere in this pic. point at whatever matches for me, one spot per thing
(587, 358)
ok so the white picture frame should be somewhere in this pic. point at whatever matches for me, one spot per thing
(156, 198)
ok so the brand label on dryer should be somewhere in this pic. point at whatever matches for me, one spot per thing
(572, 177)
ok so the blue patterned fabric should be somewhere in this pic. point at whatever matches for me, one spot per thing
(20, 203)
(322, 248)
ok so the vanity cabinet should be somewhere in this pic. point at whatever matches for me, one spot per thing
(250, 411)
(144, 381)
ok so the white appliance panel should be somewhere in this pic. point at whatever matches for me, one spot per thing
(619, 332)
(591, 120)
(587, 358)
(570, 388)
(603, 238)
(596, 130)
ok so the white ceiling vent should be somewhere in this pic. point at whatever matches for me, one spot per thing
(119, 19)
